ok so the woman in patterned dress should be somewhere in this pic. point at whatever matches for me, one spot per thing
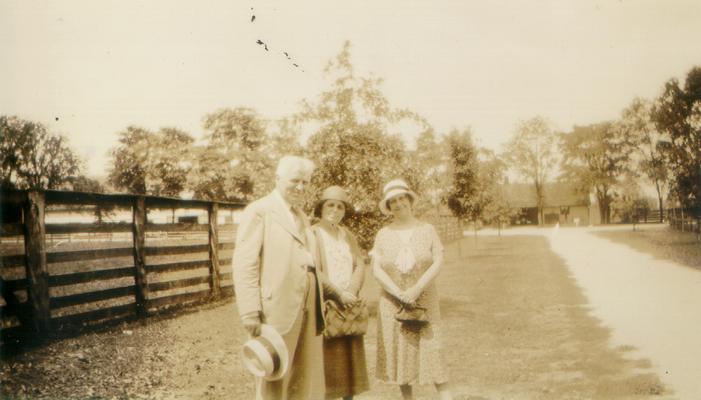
(407, 257)
(342, 272)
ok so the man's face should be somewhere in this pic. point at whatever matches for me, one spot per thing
(292, 186)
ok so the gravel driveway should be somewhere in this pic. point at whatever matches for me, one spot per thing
(652, 304)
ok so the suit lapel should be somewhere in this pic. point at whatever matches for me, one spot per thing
(282, 217)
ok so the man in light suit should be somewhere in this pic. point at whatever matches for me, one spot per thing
(276, 283)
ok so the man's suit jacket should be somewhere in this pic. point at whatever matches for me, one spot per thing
(270, 264)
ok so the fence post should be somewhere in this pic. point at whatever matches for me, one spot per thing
(36, 267)
(139, 238)
(214, 278)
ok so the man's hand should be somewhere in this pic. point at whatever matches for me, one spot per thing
(252, 325)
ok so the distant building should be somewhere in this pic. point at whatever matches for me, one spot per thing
(563, 204)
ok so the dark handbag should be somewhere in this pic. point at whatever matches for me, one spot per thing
(351, 320)
(412, 315)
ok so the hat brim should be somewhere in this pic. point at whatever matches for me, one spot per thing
(383, 203)
(317, 208)
(278, 343)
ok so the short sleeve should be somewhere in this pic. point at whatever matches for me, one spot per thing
(376, 250)
(436, 244)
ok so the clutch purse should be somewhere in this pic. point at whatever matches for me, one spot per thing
(412, 315)
(351, 320)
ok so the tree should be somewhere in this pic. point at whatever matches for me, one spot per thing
(677, 114)
(430, 162)
(151, 163)
(33, 158)
(233, 165)
(131, 160)
(645, 139)
(172, 162)
(463, 195)
(629, 204)
(491, 182)
(594, 158)
(284, 141)
(532, 152)
(351, 144)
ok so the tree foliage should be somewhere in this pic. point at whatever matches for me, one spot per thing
(646, 140)
(462, 198)
(352, 145)
(233, 165)
(629, 203)
(151, 163)
(284, 140)
(33, 158)
(491, 182)
(532, 152)
(430, 162)
(677, 114)
(131, 161)
(595, 158)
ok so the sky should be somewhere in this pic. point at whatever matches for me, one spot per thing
(89, 69)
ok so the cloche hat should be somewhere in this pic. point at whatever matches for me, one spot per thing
(392, 189)
(266, 355)
(333, 193)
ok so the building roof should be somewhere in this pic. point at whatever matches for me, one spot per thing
(557, 194)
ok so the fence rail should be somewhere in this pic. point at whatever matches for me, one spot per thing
(50, 288)
(685, 219)
(447, 226)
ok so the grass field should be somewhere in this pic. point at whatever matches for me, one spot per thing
(662, 242)
(515, 326)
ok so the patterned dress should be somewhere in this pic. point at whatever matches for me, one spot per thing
(406, 354)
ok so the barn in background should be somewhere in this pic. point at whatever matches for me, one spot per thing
(563, 205)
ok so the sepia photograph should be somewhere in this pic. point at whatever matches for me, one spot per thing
(306, 199)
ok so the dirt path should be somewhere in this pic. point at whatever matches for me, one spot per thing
(515, 326)
(652, 304)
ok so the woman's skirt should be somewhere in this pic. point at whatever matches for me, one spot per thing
(344, 366)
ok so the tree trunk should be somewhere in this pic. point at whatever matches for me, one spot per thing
(602, 211)
(659, 200)
(539, 201)
(698, 205)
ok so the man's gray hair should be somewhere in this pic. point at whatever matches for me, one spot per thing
(291, 164)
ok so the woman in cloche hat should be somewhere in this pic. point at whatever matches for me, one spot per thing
(406, 258)
(342, 268)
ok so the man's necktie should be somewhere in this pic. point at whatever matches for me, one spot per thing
(299, 223)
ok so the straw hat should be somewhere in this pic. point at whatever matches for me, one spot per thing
(266, 356)
(392, 189)
(333, 193)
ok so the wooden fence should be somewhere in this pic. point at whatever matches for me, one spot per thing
(447, 226)
(52, 288)
(685, 219)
